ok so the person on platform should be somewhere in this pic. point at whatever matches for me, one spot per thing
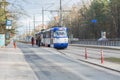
(32, 41)
(14, 43)
(39, 40)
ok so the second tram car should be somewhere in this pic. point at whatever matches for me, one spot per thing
(55, 37)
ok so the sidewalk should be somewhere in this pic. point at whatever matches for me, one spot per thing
(13, 65)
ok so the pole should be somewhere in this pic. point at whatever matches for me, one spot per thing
(29, 28)
(42, 17)
(5, 21)
(26, 32)
(86, 54)
(102, 57)
(60, 13)
(34, 23)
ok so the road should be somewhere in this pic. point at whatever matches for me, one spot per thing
(42, 63)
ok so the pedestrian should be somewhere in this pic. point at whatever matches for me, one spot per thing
(39, 40)
(32, 41)
(36, 41)
(14, 43)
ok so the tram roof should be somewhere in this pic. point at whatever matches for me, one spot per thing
(54, 28)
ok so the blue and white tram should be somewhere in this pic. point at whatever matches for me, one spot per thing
(55, 37)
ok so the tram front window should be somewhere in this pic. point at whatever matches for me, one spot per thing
(60, 34)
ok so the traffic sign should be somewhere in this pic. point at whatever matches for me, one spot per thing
(94, 21)
(8, 22)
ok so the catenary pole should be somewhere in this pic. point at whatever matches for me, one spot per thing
(60, 13)
(42, 17)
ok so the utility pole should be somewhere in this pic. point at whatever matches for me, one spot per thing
(34, 24)
(60, 13)
(42, 17)
(29, 28)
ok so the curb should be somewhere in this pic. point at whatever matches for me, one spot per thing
(95, 46)
(99, 65)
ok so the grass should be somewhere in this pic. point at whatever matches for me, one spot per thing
(112, 59)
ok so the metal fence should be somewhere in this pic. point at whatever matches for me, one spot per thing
(109, 42)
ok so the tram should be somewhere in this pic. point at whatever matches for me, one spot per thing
(55, 37)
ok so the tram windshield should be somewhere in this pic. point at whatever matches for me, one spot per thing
(60, 33)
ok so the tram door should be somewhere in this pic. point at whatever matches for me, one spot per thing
(51, 38)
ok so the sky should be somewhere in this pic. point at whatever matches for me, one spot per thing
(33, 8)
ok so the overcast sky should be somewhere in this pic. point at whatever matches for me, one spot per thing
(34, 8)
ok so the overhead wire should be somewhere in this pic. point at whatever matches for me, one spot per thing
(73, 2)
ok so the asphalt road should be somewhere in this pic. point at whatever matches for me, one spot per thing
(48, 64)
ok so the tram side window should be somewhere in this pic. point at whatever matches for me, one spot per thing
(52, 34)
(44, 35)
(48, 34)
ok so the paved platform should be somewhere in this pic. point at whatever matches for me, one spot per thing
(13, 65)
